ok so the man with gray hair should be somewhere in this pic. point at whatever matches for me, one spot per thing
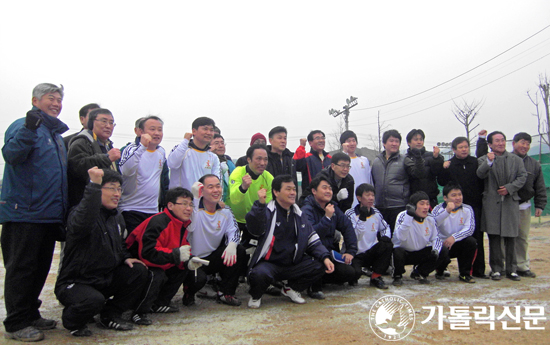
(33, 207)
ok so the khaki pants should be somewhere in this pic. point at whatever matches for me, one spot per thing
(522, 244)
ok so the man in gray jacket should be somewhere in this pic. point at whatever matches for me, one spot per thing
(534, 187)
(504, 175)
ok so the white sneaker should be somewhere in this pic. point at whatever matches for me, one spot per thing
(293, 295)
(254, 303)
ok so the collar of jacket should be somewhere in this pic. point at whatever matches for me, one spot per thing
(310, 200)
(192, 145)
(286, 152)
(393, 155)
(422, 150)
(357, 210)
(201, 204)
(316, 154)
(108, 213)
(444, 205)
(272, 207)
(176, 220)
(52, 123)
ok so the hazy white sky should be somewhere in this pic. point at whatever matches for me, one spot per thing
(254, 65)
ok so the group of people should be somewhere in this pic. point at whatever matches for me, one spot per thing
(137, 224)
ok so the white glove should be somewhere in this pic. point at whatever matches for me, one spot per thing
(342, 194)
(185, 253)
(193, 265)
(196, 189)
(229, 255)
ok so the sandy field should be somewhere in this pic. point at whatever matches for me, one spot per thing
(343, 317)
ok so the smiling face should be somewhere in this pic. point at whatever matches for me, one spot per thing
(218, 146)
(521, 147)
(103, 126)
(50, 103)
(203, 135)
(258, 163)
(341, 170)
(318, 143)
(154, 129)
(352, 145)
(286, 197)
(212, 190)
(278, 142)
(498, 145)
(462, 150)
(182, 209)
(110, 195)
(323, 193)
(422, 208)
(454, 196)
(392, 145)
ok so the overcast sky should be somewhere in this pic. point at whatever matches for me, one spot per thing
(254, 65)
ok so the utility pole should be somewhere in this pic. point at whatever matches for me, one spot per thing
(350, 103)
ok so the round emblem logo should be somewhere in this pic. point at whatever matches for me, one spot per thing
(391, 318)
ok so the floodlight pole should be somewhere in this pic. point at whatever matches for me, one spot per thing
(350, 103)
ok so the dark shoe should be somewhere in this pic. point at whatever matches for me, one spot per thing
(28, 334)
(415, 275)
(187, 300)
(446, 274)
(273, 290)
(164, 309)
(423, 280)
(527, 273)
(378, 283)
(481, 276)
(44, 324)
(513, 276)
(141, 319)
(397, 281)
(353, 283)
(495, 276)
(440, 276)
(315, 294)
(229, 300)
(82, 332)
(116, 323)
(466, 279)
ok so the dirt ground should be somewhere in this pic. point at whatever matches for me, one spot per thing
(341, 318)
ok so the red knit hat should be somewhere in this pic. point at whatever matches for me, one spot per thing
(256, 137)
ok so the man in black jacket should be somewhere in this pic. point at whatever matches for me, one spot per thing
(281, 160)
(461, 169)
(97, 265)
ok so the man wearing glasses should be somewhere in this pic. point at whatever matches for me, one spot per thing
(311, 163)
(91, 147)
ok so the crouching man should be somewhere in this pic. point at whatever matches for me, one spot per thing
(455, 224)
(326, 218)
(97, 265)
(369, 224)
(214, 236)
(161, 242)
(288, 248)
(415, 241)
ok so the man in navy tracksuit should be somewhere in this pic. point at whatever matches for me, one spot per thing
(311, 163)
(288, 247)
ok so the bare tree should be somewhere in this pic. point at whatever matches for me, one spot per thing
(465, 114)
(376, 140)
(333, 138)
(544, 92)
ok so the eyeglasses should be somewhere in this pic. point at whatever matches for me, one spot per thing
(185, 204)
(344, 166)
(106, 122)
(113, 189)
(318, 138)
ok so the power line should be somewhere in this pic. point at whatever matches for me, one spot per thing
(465, 93)
(458, 76)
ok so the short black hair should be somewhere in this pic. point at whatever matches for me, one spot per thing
(340, 156)
(204, 177)
(522, 135)
(216, 136)
(251, 149)
(142, 121)
(414, 132)
(364, 187)
(83, 112)
(217, 130)
(346, 135)
(492, 134)
(202, 121)
(173, 194)
(418, 196)
(95, 113)
(317, 181)
(278, 181)
(449, 187)
(459, 140)
(312, 133)
(110, 175)
(275, 130)
(390, 133)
